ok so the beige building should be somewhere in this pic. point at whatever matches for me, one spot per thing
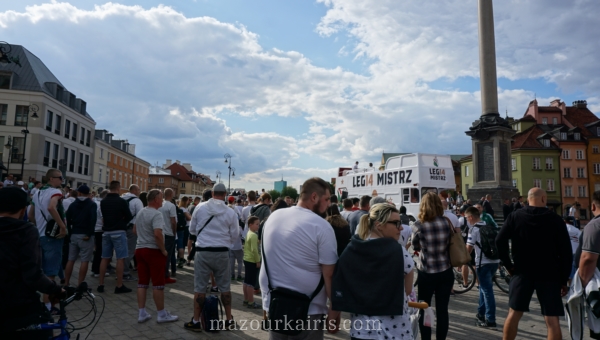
(42, 125)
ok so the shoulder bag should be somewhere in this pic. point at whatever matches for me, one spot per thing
(288, 309)
(457, 248)
(52, 229)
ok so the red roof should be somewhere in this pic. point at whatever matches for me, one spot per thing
(180, 172)
(580, 117)
(528, 139)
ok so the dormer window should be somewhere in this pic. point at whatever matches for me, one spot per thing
(5, 81)
(545, 121)
(577, 136)
(546, 143)
(598, 131)
(555, 121)
(563, 136)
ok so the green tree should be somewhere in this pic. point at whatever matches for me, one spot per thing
(274, 194)
(290, 191)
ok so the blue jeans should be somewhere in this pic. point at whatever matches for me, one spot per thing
(487, 302)
(51, 255)
(115, 241)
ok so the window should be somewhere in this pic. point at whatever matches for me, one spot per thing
(82, 135)
(161, 180)
(550, 185)
(55, 156)
(567, 172)
(595, 149)
(57, 125)
(49, 116)
(596, 168)
(582, 191)
(121, 161)
(87, 138)
(577, 136)
(21, 115)
(580, 173)
(537, 183)
(555, 121)
(65, 155)
(74, 137)
(514, 183)
(596, 187)
(100, 175)
(566, 154)
(67, 128)
(466, 171)
(183, 185)
(72, 161)
(545, 121)
(3, 113)
(549, 163)
(546, 143)
(598, 131)
(5, 81)
(47, 154)
(579, 154)
(513, 162)
(563, 136)
(101, 153)
(536, 163)
(86, 164)
(568, 191)
(80, 168)
(582, 214)
(150, 180)
(17, 149)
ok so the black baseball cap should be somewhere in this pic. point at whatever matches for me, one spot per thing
(13, 199)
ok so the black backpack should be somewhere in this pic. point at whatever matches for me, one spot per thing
(487, 236)
(181, 220)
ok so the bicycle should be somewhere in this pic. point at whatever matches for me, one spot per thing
(502, 278)
(66, 327)
(458, 287)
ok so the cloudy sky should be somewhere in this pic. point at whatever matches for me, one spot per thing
(300, 87)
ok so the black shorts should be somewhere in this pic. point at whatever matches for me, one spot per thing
(548, 293)
(250, 273)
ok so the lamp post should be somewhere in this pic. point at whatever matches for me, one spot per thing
(34, 109)
(5, 57)
(231, 171)
(8, 146)
(218, 175)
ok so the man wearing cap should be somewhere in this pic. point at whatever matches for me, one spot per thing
(21, 269)
(21, 184)
(216, 227)
(47, 207)
(81, 217)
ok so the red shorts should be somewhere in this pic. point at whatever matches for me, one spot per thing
(151, 265)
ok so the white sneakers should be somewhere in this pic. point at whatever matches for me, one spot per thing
(167, 318)
(142, 319)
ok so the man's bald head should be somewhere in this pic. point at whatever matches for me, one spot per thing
(536, 197)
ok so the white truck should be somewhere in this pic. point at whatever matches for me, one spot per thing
(403, 181)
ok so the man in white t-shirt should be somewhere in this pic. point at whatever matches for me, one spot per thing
(8, 181)
(450, 215)
(572, 214)
(299, 248)
(47, 204)
(355, 167)
(486, 313)
(574, 234)
(170, 216)
(135, 206)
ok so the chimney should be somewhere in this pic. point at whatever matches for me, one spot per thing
(168, 163)
(580, 104)
(532, 109)
(555, 102)
(178, 162)
(188, 166)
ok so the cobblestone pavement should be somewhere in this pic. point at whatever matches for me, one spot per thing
(119, 320)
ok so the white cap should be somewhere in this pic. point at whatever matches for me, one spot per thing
(20, 183)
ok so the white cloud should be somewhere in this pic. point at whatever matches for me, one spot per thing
(168, 82)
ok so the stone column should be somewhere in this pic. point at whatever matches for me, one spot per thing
(487, 59)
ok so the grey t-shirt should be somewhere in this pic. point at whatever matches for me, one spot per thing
(146, 222)
(590, 241)
(354, 220)
(168, 210)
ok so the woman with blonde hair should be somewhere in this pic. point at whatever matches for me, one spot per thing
(365, 282)
(431, 236)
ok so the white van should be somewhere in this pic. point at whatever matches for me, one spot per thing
(404, 180)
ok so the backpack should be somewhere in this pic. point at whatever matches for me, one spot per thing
(487, 236)
(210, 314)
(181, 220)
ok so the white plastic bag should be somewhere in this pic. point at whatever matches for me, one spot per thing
(428, 317)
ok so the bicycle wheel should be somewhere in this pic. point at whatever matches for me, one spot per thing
(459, 284)
(502, 279)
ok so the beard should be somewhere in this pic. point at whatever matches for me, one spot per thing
(315, 209)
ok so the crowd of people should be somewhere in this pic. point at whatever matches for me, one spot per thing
(341, 254)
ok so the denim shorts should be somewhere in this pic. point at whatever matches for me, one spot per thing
(116, 241)
(51, 255)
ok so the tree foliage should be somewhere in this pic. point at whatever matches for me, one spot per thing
(274, 194)
(290, 191)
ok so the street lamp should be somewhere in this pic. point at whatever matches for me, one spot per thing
(5, 57)
(32, 109)
(231, 170)
(218, 175)
(8, 146)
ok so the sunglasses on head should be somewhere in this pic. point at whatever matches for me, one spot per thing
(61, 177)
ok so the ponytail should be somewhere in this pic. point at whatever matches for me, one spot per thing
(364, 227)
